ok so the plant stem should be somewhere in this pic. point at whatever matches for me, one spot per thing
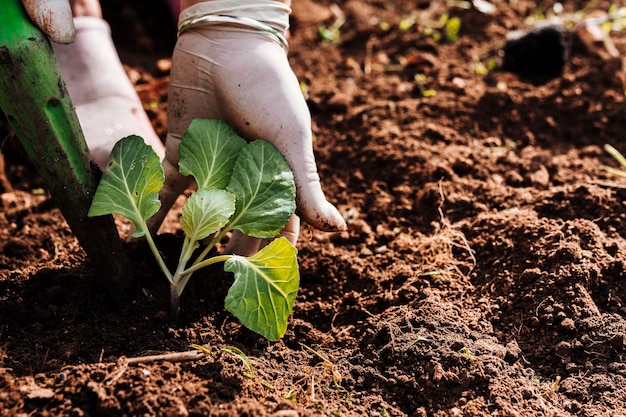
(180, 279)
(615, 171)
(185, 255)
(174, 300)
(210, 246)
(157, 254)
(210, 261)
(615, 154)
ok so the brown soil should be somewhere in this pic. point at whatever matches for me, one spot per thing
(484, 272)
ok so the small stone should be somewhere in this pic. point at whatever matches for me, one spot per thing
(459, 83)
(568, 324)
(562, 348)
(512, 351)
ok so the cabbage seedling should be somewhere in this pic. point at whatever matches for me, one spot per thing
(241, 186)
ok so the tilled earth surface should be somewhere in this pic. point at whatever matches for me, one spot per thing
(484, 269)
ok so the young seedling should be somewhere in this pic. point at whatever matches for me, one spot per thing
(617, 155)
(236, 352)
(241, 186)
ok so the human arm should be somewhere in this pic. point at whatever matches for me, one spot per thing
(241, 74)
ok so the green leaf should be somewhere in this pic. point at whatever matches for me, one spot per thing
(208, 152)
(265, 288)
(130, 184)
(242, 356)
(205, 212)
(453, 27)
(265, 190)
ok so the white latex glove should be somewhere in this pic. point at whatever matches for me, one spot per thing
(106, 102)
(53, 17)
(242, 76)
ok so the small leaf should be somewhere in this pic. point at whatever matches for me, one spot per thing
(453, 27)
(208, 152)
(242, 356)
(205, 212)
(265, 190)
(130, 184)
(202, 349)
(265, 288)
(617, 155)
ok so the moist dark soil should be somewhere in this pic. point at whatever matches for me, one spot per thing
(483, 273)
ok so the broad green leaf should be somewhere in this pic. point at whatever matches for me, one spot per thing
(265, 288)
(208, 151)
(265, 190)
(205, 212)
(130, 184)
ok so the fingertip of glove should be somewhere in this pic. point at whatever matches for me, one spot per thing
(53, 17)
(64, 36)
(328, 221)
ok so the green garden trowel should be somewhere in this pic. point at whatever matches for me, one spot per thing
(35, 101)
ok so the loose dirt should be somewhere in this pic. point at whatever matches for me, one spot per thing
(483, 272)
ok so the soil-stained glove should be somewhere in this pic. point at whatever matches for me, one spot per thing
(230, 63)
(53, 17)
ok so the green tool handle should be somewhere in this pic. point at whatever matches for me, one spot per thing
(35, 101)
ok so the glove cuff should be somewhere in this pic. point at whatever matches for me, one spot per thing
(268, 16)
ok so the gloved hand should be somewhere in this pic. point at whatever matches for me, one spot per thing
(230, 63)
(107, 105)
